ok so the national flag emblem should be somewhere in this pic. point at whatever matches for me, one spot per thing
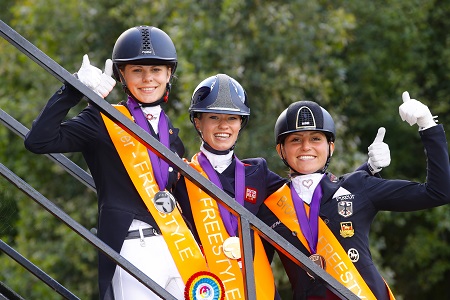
(345, 208)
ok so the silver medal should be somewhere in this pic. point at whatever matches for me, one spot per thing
(164, 202)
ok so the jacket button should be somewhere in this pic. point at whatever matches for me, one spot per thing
(61, 90)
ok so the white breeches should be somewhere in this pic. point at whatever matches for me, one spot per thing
(153, 258)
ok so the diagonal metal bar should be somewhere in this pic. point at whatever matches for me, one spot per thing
(82, 231)
(150, 142)
(56, 286)
(7, 294)
(60, 159)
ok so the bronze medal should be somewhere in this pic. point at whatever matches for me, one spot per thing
(318, 260)
(164, 202)
(232, 247)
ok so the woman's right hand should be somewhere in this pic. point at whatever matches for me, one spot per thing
(101, 83)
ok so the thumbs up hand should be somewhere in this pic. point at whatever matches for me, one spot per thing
(415, 112)
(379, 153)
(107, 82)
(92, 77)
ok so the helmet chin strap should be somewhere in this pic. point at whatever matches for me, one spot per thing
(214, 151)
(295, 173)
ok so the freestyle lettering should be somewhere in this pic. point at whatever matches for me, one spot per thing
(215, 238)
(143, 169)
(338, 268)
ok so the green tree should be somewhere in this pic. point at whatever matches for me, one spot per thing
(398, 46)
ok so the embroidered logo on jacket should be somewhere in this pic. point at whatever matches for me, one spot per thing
(251, 195)
(344, 202)
(345, 208)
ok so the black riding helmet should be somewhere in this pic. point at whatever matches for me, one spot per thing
(304, 116)
(219, 94)
(145, 45)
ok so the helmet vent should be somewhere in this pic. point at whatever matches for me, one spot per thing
(305, 118)
(224, 99)
(146, 41)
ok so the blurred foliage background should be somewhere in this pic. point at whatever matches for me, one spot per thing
(353, 57)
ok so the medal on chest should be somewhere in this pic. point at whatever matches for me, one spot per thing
(164, 202)
(319, 260)
(232, 247)
(309, 222)
(229, 220)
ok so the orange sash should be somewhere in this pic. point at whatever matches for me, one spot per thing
(182, 245)
(338, 264)
(213, 233)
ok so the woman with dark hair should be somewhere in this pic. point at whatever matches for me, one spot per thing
(329, 218)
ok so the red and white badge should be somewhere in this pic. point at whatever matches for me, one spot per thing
(251, 195)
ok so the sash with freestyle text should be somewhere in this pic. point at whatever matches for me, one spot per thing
(338, 264)
(212, 232)
(182, 245)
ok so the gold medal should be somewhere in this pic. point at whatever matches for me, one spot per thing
(318, 260)
(232, 247)
(164, 202)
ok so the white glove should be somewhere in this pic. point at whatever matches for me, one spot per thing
(415, 112)
(100, 83)
(379, 153)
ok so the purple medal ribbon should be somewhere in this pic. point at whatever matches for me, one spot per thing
(229, 220)
(160, 167)
(309, 226)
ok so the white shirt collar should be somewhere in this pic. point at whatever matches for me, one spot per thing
(219, 162)
(305, 185)
(152, 114)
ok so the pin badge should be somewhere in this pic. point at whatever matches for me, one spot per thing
(353, 254)
(347, 229)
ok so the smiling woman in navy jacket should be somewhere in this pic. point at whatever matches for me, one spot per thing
(329, 218)
(219, 110)
(144, 60)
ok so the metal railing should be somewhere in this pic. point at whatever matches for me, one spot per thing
(247, 221)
